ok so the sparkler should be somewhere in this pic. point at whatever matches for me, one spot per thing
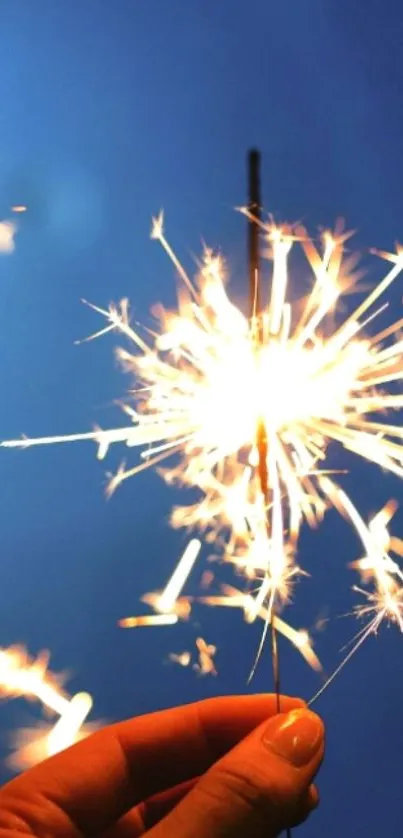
(22, 676)
(244, 408)
(262, 450)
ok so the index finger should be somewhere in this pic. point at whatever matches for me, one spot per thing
(101, 778)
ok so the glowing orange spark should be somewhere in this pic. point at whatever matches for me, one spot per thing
(207, 651)
(148, 620)
(182, 659)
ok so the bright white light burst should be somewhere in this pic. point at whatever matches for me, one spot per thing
(214, 389)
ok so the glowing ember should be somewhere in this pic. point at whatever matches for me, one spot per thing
(207, 651)
(182, 659)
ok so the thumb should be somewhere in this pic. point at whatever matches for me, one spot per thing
(259, 788)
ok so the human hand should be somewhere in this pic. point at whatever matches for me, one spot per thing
(223, 767)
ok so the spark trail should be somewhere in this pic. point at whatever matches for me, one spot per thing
(21, 676)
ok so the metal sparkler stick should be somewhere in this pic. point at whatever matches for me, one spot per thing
(256, 311)
(253, 230)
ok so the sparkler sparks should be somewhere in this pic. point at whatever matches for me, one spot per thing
(205, 654)
(211, 381)
(182, 659)
(7, 232)
(206, 651)
(380, 573)
(21, 676)
(379, 570)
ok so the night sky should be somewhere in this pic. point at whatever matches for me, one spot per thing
(110, 111)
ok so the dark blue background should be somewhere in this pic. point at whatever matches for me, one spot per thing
(107, 112)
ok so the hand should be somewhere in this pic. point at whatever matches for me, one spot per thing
(222, 767)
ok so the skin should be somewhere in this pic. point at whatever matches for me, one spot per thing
(200, 770)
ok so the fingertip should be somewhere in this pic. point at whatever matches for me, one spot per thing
(296, 737)
(313, 797)
(295, 700)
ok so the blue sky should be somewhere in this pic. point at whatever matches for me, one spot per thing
(108, 112)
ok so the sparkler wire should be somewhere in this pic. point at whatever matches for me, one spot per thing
(256, 321)
(256, 311)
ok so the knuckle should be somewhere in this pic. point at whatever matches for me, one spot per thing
(255, 789)
(249, 799)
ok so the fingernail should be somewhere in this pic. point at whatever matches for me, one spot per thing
(295, 737)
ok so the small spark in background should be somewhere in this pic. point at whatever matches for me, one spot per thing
(7, 232)
(8, 229)
(205, 653)
(23, 676)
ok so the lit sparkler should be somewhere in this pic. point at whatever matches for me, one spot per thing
(215, 388)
